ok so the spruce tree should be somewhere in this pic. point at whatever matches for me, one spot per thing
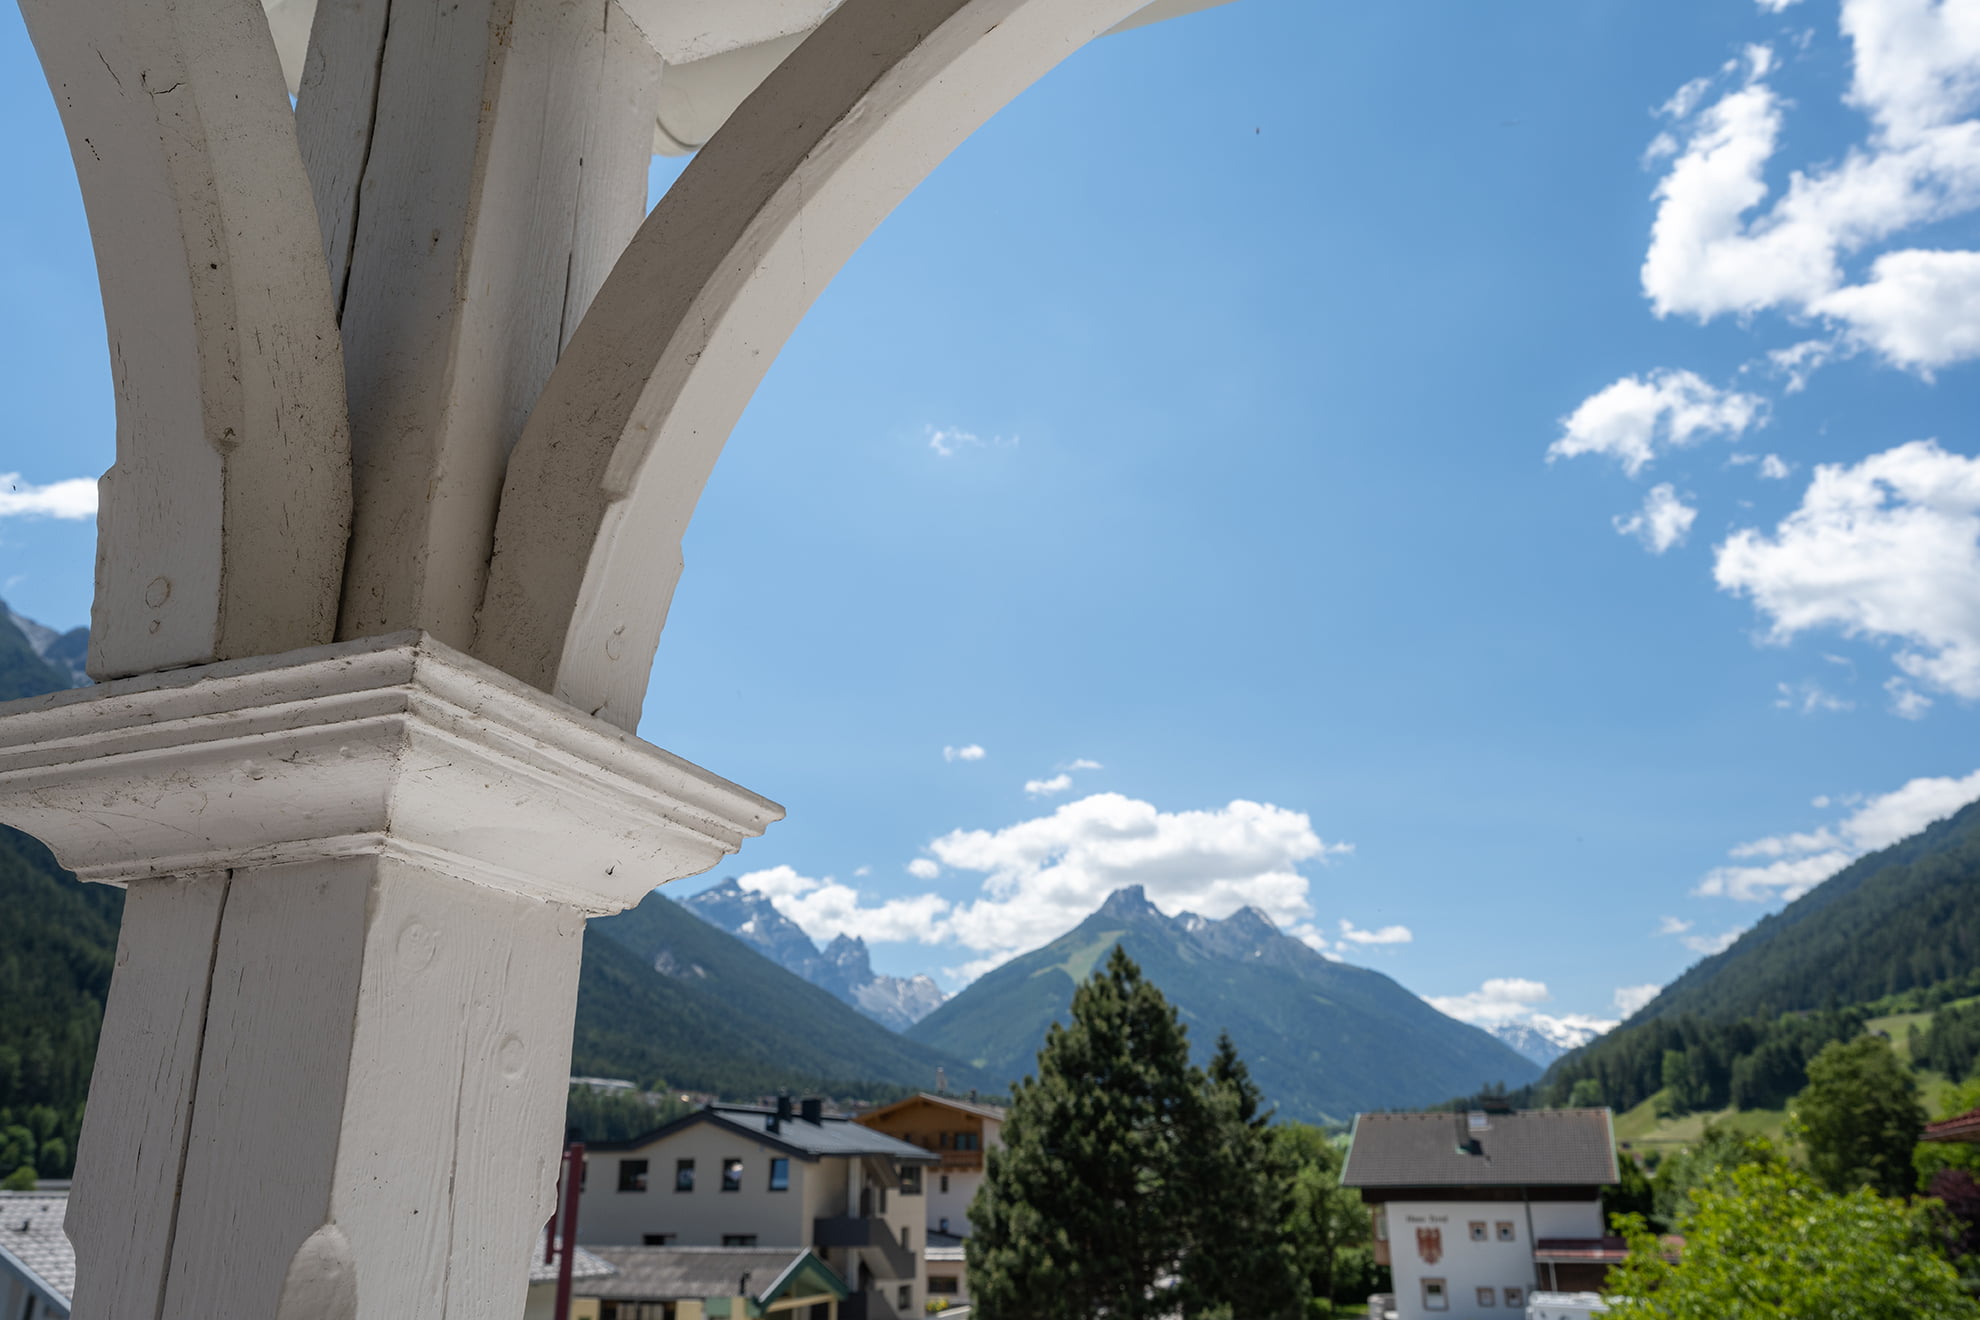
(1241, 1261)
(1085, 1211)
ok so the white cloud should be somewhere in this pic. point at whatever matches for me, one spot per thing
(1083, 764)
(1501, 999)
(1673, 926)
(1711, 944)
(1800, 361)
(1776, 6)
(1386, 935)
(1906, 701)
(1724, 243)
(1919, 309)
(862, 870)
(1630, 998)
(74, 498)
(1809, 697)
(1887, 549)
(1048, 787)
(1043, 876)
(1571, 1029)
(1774, 468)
(952, 440)
(1635, 418)
(1664, 520)
(826, 909)
(924, 868)
(1796, 863)
(971, 752)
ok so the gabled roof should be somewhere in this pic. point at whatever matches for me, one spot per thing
(830, 1136)
(974, 1107)
(765, 1275)
(1960, 1127)
(33, 1244)
(584, 1265)
(1531, 1148)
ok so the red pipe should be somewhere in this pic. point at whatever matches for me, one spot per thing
(573, 1182)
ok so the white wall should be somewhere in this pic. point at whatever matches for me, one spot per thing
(1465, 1265)
(953, 1204)
(701, 1218)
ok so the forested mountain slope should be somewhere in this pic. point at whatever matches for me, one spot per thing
(1901, 919)
(1323, 1039)
(1899, 926)
(665, 995)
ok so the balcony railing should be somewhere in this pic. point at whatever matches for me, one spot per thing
(875, 1235)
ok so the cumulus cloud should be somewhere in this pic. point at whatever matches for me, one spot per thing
(1673, 926)
(1792, 864)
(1044, 875)
(1637, 417)
(1630, 998)
(1711, 944)
(971, 752)
(1082, 763)
(826, 909)
(924, 868)
(1888, 549)
(1499, 1000)
(1776, 6)
(74, 498)
(1386, 935)
(1775, 468)
(1724, 242)
(1663, 521)
(1048, 787)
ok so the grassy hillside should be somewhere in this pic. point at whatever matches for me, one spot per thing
(1323, 1039)
(718, 1016)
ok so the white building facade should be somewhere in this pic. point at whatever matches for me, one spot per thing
(751, 1177)
(1473, 1213)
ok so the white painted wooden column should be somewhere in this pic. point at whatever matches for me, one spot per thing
(333, 1069)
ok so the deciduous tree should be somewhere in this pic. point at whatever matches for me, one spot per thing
(1859, 1117)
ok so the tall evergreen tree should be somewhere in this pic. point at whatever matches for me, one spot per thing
(1240, 1262)
(1085, 1211)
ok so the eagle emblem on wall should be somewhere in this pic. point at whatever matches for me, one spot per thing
(1430, 1244)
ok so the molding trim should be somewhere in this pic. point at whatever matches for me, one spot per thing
(396, 746)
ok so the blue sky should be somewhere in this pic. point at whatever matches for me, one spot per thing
(1327, 457)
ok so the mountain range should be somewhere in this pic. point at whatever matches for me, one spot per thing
(1323, 1039)
(1544, 1039)
(844, 967)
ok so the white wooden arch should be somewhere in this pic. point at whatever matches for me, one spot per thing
(601, 487)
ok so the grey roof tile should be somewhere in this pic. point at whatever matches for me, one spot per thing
(1533, 1148)
(31, 1232)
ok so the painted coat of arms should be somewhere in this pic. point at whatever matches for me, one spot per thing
(1430, 1244)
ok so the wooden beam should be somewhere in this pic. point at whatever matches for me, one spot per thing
(494, 171)
(600, 489)
(222, 524)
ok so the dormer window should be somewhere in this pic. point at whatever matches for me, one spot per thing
(1478, 1121)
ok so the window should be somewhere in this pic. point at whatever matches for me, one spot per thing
(780, 1175)
(684, 1175)
(911, 1180)
(657, 1239)
(907, 1297)
(942, 1227)
(907, 1238)
(966, 1141)
(944, 1139)
(1506, 1233)
(1515, 1297)
(1488, 1296)
(632, 1175)
(1435, 1298)
(1477, 1230)
(1380, 1214)
(944, 1285)
(739, 1239)
(732, 1175)
(945, 1184)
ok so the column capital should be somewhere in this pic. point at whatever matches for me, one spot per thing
(395, 745)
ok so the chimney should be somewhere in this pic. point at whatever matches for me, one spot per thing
(783, 1112)
(813, 1110)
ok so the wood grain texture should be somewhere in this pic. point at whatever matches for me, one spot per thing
(600, 489)
(454, 310)
(336, 110)
(123, 1207)
(222, 523)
